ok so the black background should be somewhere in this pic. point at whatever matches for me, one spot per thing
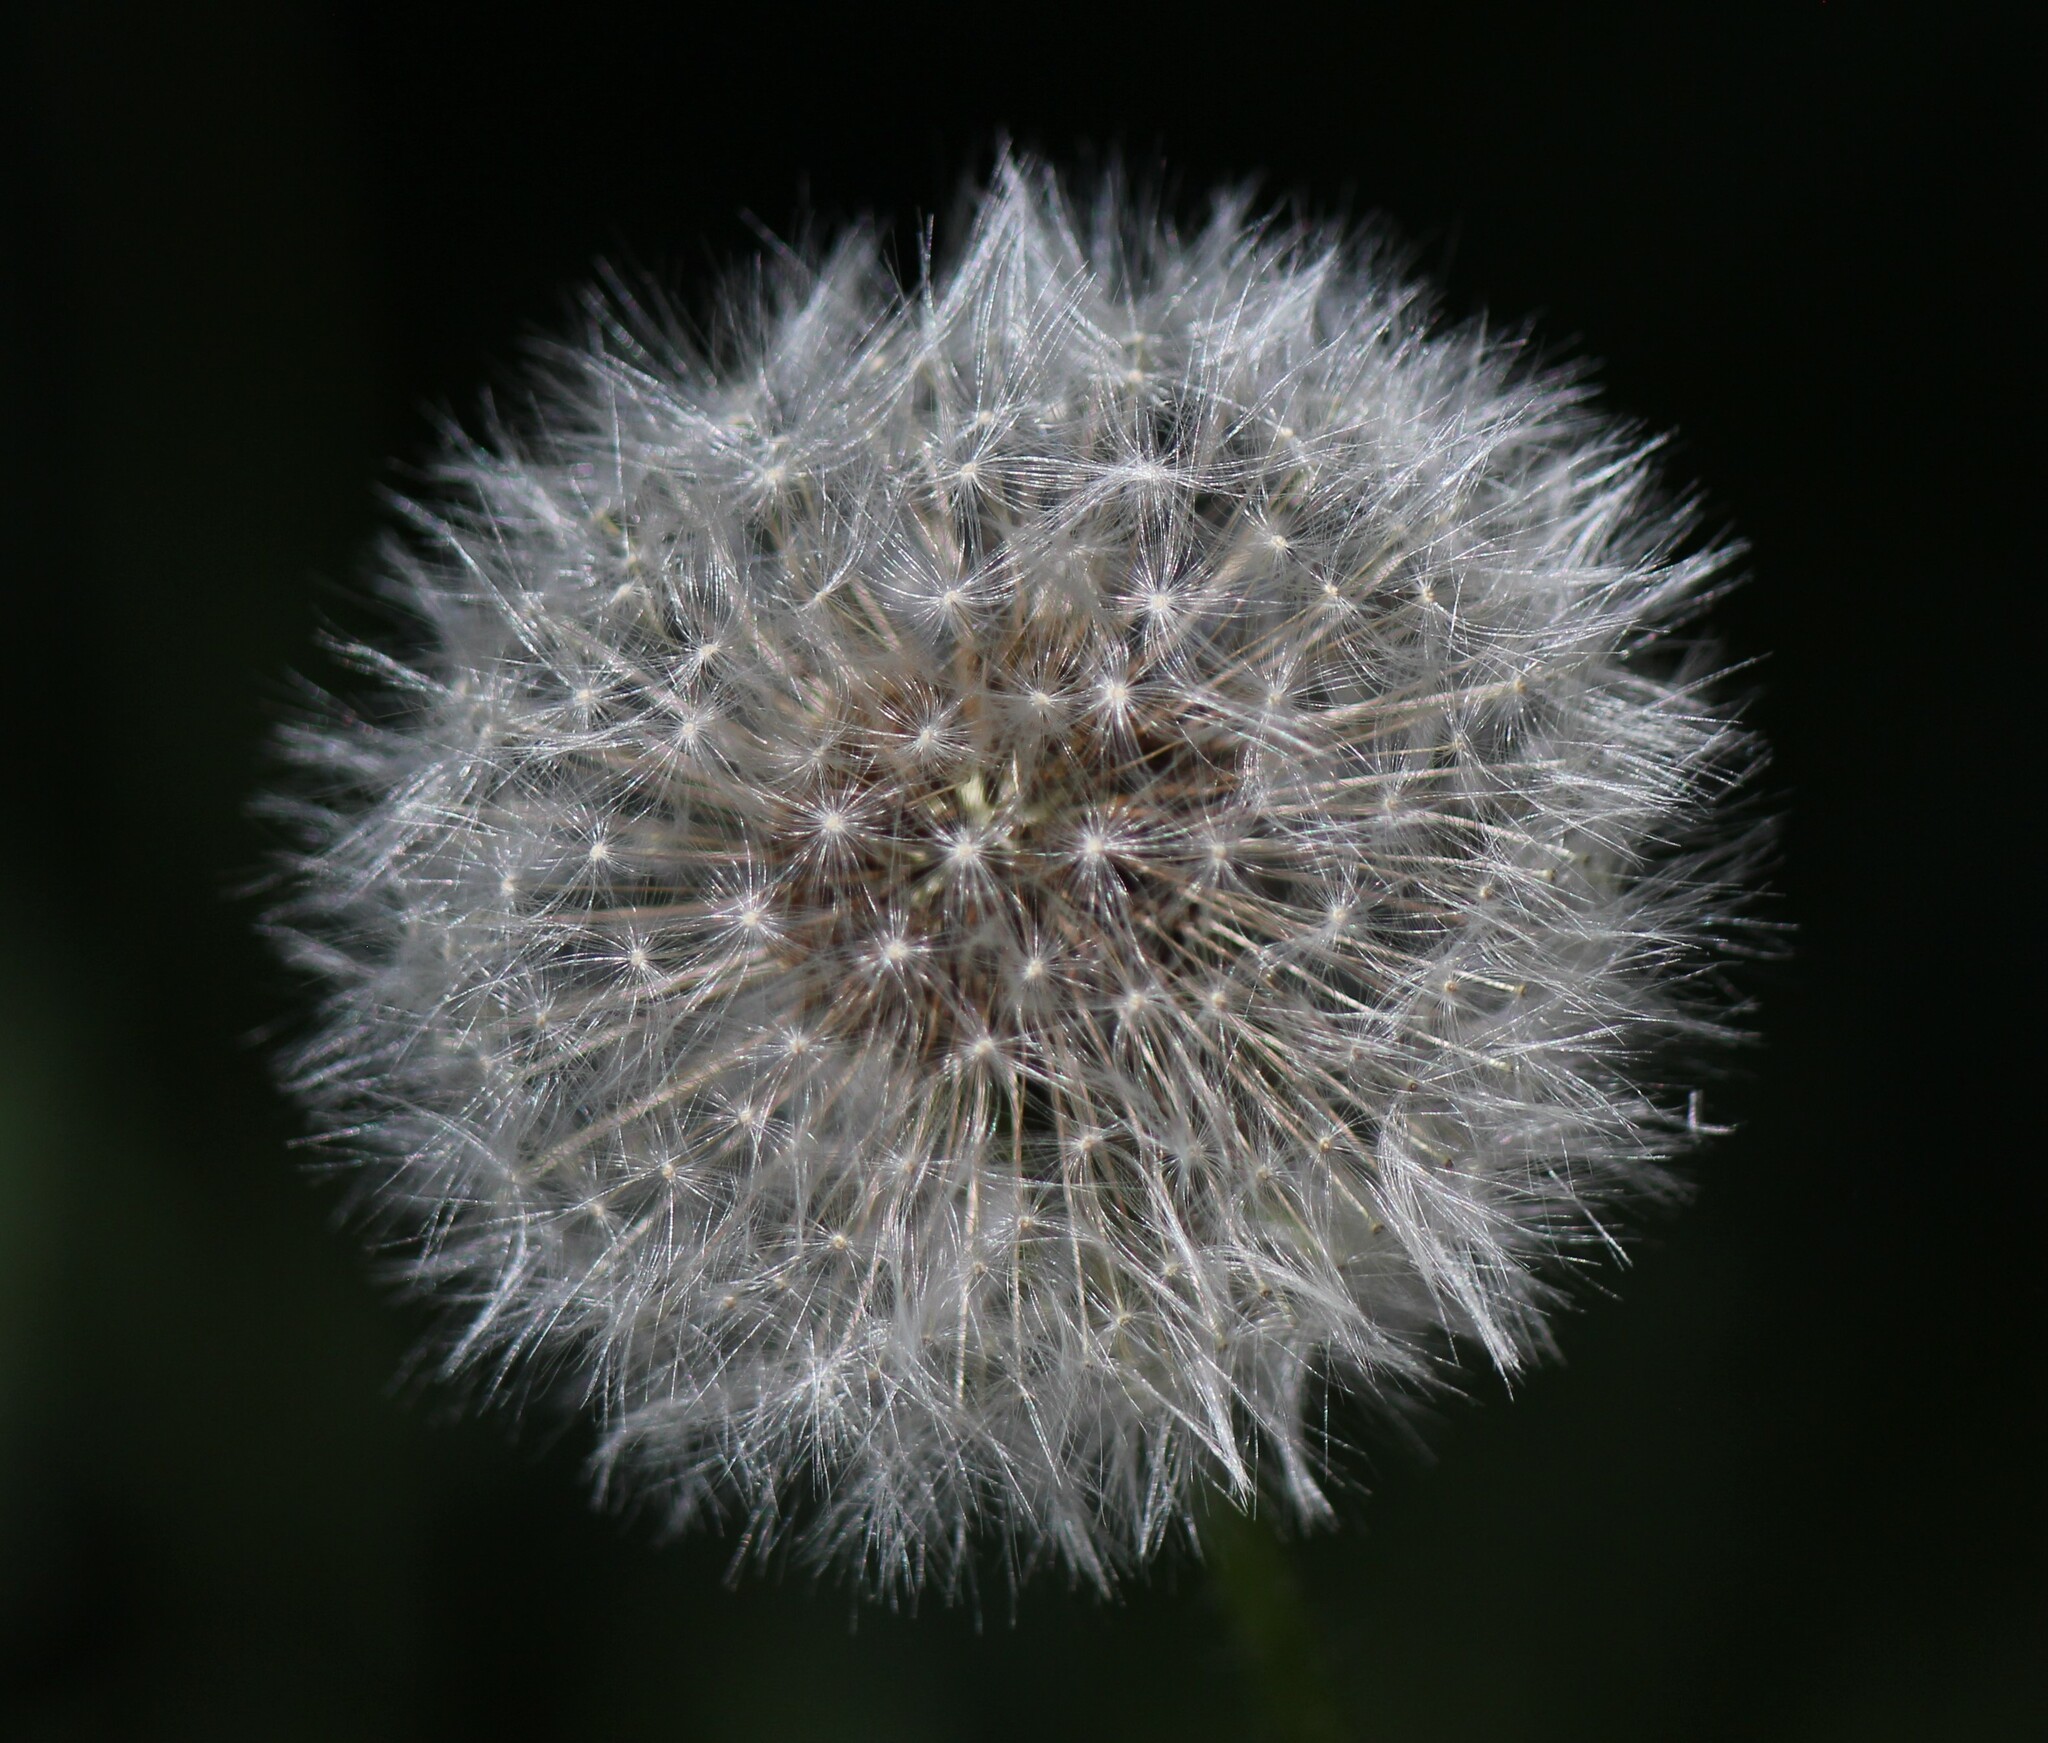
(1785, 1484)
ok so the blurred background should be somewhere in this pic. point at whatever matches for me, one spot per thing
(1784, 1486)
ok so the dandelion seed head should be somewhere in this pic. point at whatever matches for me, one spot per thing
(966, 904)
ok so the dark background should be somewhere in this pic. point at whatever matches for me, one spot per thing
(1784, 1487)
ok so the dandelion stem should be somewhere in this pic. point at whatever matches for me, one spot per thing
(1255, 1585)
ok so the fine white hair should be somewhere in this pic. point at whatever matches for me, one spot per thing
(969, 891)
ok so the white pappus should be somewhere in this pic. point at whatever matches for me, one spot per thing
(971, 891)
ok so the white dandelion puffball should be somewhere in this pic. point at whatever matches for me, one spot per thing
(970, 892)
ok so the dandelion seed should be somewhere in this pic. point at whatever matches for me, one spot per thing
(1044, 844)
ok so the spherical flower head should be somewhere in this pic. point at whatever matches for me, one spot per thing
(970, 894)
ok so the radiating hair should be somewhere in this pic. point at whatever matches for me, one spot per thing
(975, 888)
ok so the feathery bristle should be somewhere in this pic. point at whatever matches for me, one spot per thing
(971, 896)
